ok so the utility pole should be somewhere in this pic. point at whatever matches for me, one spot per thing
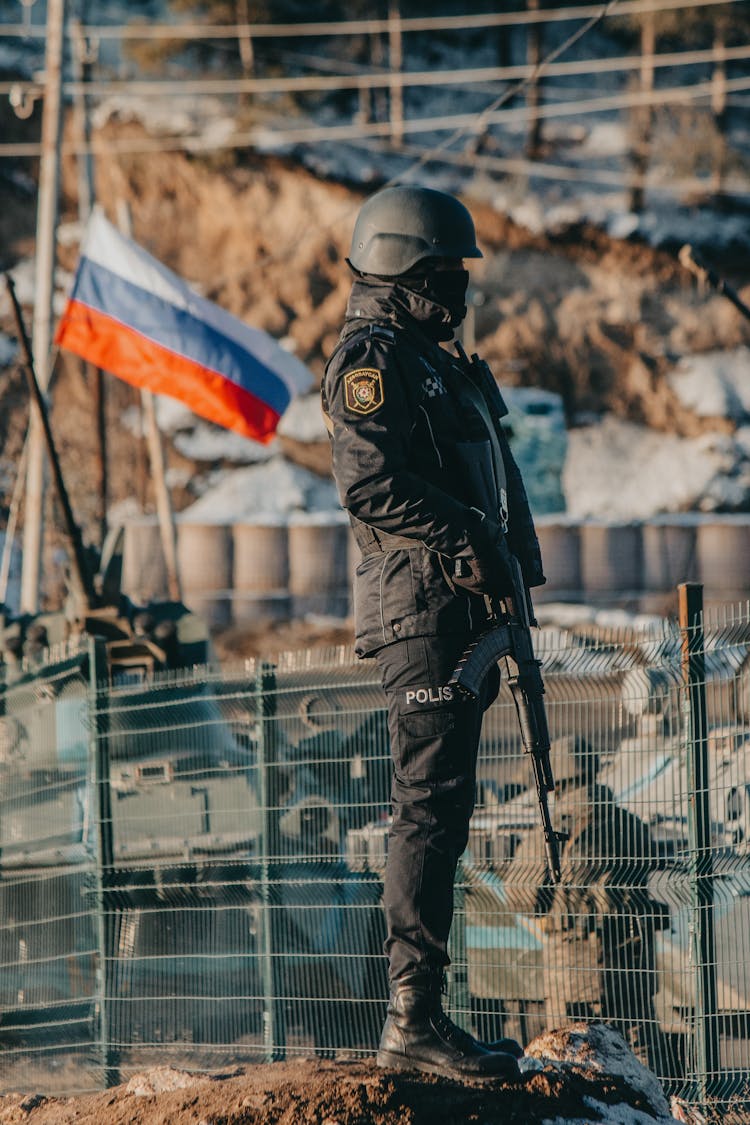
(83, 56)
(46, 231)
(533, 90)
(81, 59)
(395, 61)
(643, 116)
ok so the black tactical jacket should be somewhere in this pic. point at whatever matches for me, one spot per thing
(398, 409)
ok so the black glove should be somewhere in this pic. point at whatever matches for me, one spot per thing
(485, 568)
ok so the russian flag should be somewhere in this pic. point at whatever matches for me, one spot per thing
(133, 317)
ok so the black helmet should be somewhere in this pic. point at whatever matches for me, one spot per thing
(573, 760)
(401, 226)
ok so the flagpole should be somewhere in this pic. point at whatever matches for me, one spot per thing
(46, 231)
(165, 514)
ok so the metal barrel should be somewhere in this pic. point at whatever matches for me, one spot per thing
(559, 539)
(144, 571)
(204, 555)
(669, 552)
(261, 572)
(610, 558)
(723, 550)
(318, 565)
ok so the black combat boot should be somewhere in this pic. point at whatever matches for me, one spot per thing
(418, 1035)
(504, 1046)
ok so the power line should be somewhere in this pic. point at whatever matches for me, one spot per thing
(461, 124)
(368, 80)
(542, 169)
(199, 31)
(466, 123)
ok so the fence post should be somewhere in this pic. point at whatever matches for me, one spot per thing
(102, 818)
(700, 862)
(459, 970)
(274, 1031)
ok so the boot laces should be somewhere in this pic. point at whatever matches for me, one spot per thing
(452, 1033)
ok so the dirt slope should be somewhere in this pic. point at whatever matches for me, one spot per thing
(326, 1093)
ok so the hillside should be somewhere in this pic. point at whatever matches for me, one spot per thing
(602, 321)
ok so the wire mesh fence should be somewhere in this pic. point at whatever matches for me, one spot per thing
(191, 864)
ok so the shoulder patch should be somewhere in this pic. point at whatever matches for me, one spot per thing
(363, 390)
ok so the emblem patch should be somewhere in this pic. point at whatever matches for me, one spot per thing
(363, 390)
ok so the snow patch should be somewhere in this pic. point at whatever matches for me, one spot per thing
(206, 442)
(621, 471)
(276, 487)
(606, 138)
(715, 384)
(600, 1051)
(200, 440)
(24, 280)
(303, 419)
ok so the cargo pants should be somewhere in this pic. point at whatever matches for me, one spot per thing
(434, 735)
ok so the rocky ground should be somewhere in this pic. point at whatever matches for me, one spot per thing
(580, 1075)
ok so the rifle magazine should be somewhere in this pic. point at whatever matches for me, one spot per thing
(477, 660)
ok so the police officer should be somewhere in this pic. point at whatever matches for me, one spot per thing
(600, 920)
(402, 412)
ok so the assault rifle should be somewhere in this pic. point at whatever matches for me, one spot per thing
(509, 637)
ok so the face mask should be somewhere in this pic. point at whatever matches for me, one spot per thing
(448, 288)
(444, 292)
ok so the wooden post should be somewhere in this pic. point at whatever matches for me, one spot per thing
(719, 103)
(46, 234)
(81, 61)
(395, 59)
(643, 115)
(163, 502)
(245, 41)
(533, 90)
(504, 43)
(98, 386)
(377, 60)
(164, 511)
